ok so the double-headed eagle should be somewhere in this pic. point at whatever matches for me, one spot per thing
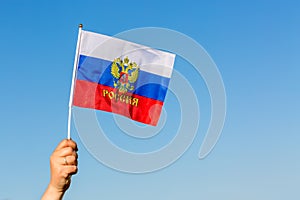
(125, 74)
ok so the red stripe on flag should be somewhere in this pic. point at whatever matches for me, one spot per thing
(93, 95)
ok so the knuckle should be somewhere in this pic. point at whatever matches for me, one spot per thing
(75, 169)
(75, 155)
(68, 150)
(73, 158)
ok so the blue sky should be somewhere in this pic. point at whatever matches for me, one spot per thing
(256, 47)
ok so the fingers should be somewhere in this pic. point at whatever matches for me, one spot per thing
(70, 160)
(66, 143)
(63, 164)
(67, 171)
(65, 154)
(67, 151)
(70, 170)
(58, 161)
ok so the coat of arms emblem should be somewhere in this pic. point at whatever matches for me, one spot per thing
(125, 74)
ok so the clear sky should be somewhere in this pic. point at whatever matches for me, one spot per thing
(255, 45)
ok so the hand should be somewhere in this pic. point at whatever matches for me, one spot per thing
(63, 164)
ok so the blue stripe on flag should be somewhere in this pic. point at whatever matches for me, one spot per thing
(99, 71)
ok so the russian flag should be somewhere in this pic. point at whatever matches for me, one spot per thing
(121, 77)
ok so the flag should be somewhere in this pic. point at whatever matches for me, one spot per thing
(121, 77)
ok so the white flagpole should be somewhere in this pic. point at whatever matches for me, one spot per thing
(73, 80)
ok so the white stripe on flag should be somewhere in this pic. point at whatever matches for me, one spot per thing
(108, 48)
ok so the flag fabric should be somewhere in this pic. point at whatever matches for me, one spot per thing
(121, 77)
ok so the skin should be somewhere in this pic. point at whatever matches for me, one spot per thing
(63, 164)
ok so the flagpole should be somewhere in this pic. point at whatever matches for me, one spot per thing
(73, 80)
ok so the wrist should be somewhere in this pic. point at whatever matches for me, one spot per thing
(52, 193)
